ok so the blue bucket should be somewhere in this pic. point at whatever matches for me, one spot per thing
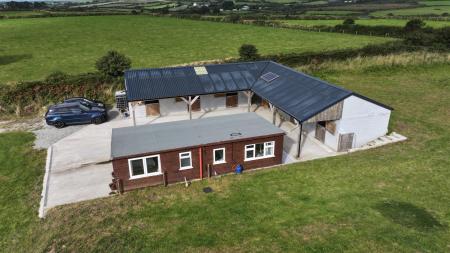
(239, 169)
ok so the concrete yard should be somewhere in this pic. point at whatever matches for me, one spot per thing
(79, 166)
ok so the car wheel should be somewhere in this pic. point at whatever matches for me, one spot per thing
(98, 120)
(59, 124)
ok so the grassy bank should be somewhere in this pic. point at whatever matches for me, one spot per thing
(33, 48)
(391, 199)
(21, 174)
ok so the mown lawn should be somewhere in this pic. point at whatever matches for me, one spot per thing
(369, 22)
(391, 199)
(33, 48)
(21, 172)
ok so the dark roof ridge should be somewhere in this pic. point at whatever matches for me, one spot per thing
(200, 65)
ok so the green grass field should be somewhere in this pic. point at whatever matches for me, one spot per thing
(20, 186)
(33, 48)
(390, 199)
(421, 11)
(21, 13)
(332, 13)
(369, 22)
(435, 3)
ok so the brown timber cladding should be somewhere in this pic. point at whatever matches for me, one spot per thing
(170, 163)
(332, 113)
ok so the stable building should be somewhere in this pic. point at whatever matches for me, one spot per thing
(186, 150)
(336, 117)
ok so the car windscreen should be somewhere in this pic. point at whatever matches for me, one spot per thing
(85, 107)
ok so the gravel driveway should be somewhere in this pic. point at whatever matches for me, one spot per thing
(49, 135)
(79, 164)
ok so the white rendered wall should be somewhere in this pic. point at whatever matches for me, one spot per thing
(242, 99)
(169, 105)
(139, 110)
(367, 120)
(210, 103)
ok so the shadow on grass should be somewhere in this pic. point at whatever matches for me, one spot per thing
(8, 59)
(408, 215)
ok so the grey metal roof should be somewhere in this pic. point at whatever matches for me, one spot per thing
(297, 94)
(129, 141)
(148, 84)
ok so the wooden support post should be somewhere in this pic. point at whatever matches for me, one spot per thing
(200, 159)
(164, 178)
(119, 186)
(190, 102)
(134, 113)
(274, 113)
(274, 116)
(190, 107)
(299, 146)
(249, 95)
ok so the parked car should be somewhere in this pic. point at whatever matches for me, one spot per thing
(64, 114)
(85, 101)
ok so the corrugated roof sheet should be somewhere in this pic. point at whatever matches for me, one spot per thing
(148, 84)
(152, 138)
(295, 93)
(298, 94)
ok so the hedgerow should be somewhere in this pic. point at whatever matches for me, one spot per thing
(31, 97)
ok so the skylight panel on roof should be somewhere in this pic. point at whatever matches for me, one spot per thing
(200, 70)
(269, 77)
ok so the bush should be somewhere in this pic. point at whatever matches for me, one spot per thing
(349, 21)
(248, 52)
(233, 18)
(228, 5)
(113, 64)
(443, 37)
(56, 77)
(419, 38)
(414, 25)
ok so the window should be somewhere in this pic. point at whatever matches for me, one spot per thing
(75, 111)
(144, 166)
(185, 161)
(259, 150)
(85, 108)
(219, 155)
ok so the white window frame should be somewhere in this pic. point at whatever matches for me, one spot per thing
(252, 147)
(144, 162)
(214, 156)
(190, 160)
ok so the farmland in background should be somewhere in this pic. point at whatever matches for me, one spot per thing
(37, 47)
(368, 22)
(421, 11)
(435, 3)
